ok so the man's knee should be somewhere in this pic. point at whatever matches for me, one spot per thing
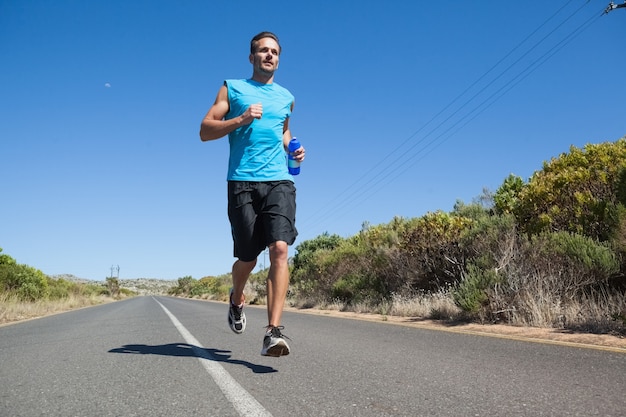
(279, 251)
(244, 266)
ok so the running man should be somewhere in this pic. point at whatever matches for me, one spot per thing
(255, 113)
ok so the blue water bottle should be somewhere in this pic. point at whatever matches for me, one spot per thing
(292, 164)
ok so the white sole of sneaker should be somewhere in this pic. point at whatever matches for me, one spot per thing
(243, 325)
(279, 349)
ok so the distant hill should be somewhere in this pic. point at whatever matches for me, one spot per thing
(148, 286)
(72, 278)
(142, 286)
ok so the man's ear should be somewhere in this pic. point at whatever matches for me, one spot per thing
(251, 59)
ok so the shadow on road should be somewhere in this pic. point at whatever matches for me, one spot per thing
(187, 350)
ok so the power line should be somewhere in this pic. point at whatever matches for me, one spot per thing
(354, 194)
(489, 101)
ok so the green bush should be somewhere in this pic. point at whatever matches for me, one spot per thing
(92, 289)
(307, 249)
(490, 242)
(127, 292)
(6, 259)
(357, 287)
(183, 287)
(336, 268)
(472, 293)
(309, 260)
(578, 192)
(206, 285)
(506, 198)
(582, 261)
(60, 289)
(431, 253)
(403, 256)
(190, 287)
(27, 283)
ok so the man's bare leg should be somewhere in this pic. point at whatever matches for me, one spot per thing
(277, 282)
(241, 272)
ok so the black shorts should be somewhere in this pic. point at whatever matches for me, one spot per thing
(261, 213)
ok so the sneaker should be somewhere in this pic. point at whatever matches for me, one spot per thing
(274, 343)
(236, 316)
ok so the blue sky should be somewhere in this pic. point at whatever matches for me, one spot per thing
(404, 107)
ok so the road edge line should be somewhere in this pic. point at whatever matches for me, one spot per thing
(242, 400)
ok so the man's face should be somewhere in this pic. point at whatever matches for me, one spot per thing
(265, 58)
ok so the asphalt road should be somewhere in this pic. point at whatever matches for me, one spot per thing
(161, 356)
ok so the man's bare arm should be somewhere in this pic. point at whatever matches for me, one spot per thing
(286, 131)
(299, 153)
(214, 126)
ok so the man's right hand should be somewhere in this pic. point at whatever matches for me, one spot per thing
(255, 111)
(214, 126)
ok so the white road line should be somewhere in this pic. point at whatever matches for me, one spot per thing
(244, 403)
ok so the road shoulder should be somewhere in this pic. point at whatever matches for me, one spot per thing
(606, 342)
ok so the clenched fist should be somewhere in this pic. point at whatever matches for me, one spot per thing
(255, 111)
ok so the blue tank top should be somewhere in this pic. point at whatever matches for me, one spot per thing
(257, 152)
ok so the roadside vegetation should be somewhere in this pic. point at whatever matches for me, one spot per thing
(26, 292)
(545, 252)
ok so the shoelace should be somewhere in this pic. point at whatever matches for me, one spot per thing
(276, 331)
(235, 308)
(236, 311)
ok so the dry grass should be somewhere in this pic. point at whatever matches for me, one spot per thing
(597, 313)
(12, 309)
(439, 305)
(542, 301)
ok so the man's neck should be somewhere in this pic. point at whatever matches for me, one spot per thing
(263, 78)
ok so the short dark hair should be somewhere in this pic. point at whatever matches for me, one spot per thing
(257, 38)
